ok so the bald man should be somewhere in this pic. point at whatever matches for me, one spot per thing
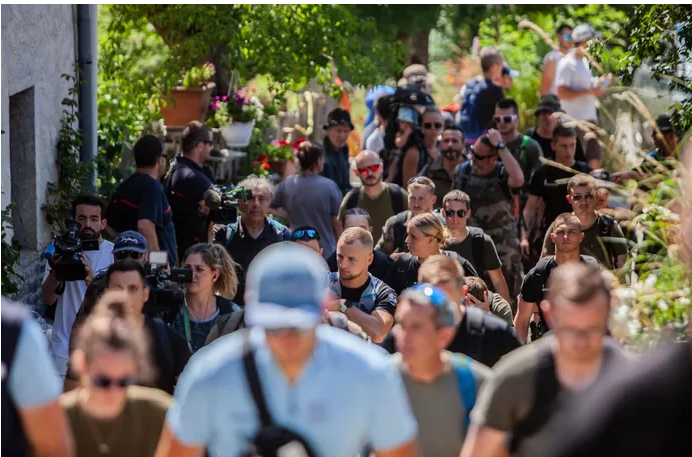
(381, 200)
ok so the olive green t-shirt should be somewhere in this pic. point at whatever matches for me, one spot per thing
(380, 209)
(464, 249)
(439, 409)
(593, 244)
(500, 308)
(135, 433)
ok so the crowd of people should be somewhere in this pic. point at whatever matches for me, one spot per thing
(456, 303)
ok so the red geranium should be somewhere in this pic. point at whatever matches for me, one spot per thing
(266, 165)
(262, 158)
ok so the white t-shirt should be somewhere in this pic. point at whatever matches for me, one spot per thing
(556, 56)
(576, 74)
(71, 300)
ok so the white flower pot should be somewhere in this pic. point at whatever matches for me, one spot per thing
(237, 134)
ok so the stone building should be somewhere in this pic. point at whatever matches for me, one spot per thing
(39, 44)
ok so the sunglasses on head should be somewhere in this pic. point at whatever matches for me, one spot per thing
(429, 125)
(371, 169)
(418, 180)
(122, 255)
(449, 213)
(582, 197)
(104, 382)
(305, 234)
(505, 119)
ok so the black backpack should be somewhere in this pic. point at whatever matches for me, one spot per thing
(272, 440)
(606, 227)
(395, 194)
(474, 317)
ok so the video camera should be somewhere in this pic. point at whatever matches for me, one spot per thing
(69, 247)
(223, 202)
(165, 300)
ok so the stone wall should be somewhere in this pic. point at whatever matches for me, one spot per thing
(38, 46)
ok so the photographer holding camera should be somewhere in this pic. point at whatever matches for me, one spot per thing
(139, 203)
(72, 248)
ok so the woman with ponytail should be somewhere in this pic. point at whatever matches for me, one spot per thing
(208, 296)
(108, 413)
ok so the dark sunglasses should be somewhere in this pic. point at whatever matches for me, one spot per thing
(480, 157)
(309, 234)
(419, 180)
(122, 255)
(209, 142)
(104, 382)
(371, 169)
(449, 213)
(505, 119)
(429, 125)
(582, 197)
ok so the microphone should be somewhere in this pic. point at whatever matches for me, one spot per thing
(212, 199)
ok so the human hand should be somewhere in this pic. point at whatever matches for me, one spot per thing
(89, 270)
(597, 90)
(525, 248)
(620, 176)
(53, 260)
(494, 136)
(484, 305)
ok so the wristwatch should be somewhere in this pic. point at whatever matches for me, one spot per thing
(346, 305)
(500, 145)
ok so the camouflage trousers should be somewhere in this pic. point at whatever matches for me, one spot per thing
(512, 268)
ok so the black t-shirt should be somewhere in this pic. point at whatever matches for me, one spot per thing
(486, 101)
(404, 272)
(185, 187)
(547, 147)
(379, 268)
(142, 197)
(642, 410)
(533, 286)
(544, 184)
(496, 340)
(385, 298)
(167, 363)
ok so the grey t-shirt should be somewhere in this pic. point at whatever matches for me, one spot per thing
(311, 200)
(439, 409)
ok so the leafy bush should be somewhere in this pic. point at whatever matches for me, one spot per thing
(10, 256)
(199, 76)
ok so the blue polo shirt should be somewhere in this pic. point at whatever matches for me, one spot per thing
(349, 395)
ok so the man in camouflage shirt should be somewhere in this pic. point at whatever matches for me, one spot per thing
(491, 185)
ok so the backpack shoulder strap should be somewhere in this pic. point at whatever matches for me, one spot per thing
(464, 173)
(224, 304)
(467, 385)
(478, 249)
(352, 198)
(476, 331)
(525, 141)
(230, 232)
(546, 388)
(254, 382)
(606, 224)
(165, 341)
(397, 197)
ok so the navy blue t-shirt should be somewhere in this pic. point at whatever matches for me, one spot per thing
(185, 187)
(142, 197)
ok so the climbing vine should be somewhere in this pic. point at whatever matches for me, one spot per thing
(10, 256)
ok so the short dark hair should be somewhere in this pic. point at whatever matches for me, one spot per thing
(356, 212)
(563, 132)
(194, 132)
(508, 103)
(308, 154)
(562, 27)
(127, 265)
(147, 151)
(454, 127)
(489, 55)
(382, 106)
(88, 200)
(577, 283)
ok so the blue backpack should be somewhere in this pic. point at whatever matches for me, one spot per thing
(467, 385)
(469, 110)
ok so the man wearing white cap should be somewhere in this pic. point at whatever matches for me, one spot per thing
(327, 390)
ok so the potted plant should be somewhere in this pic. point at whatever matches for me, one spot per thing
(190, 100)
(235, 116)
(282, 156)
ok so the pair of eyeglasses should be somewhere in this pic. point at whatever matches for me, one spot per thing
(429, 125)
(371, 169)
(582, 197)
(305, 234)
(122, 255)
(505, 119)
(208, 142)
(449, 213)
(105, 382)
(566, 36)
(480, 157)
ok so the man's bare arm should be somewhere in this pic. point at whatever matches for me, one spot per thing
(407, 450)
(47, 430)
(148, 229)
(484, 442)
(376, 325)
(499, 283)
(523, 318)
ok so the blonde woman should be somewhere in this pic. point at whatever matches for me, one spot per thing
(425, 237)
(208, 296)
(108, 413)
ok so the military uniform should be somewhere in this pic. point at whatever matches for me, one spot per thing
(492, 209)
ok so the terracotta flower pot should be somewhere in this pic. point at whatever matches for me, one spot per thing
(187, 104)
(283, 167)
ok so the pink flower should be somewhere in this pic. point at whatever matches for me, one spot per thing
(224, 98)
(216, 99)
(215, 106)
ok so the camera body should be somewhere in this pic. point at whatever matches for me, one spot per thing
(69, 247)
(226, 212)
(166, 297)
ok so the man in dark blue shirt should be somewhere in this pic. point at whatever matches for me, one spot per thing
(140, 204)
(186, 184)
(336, 166)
